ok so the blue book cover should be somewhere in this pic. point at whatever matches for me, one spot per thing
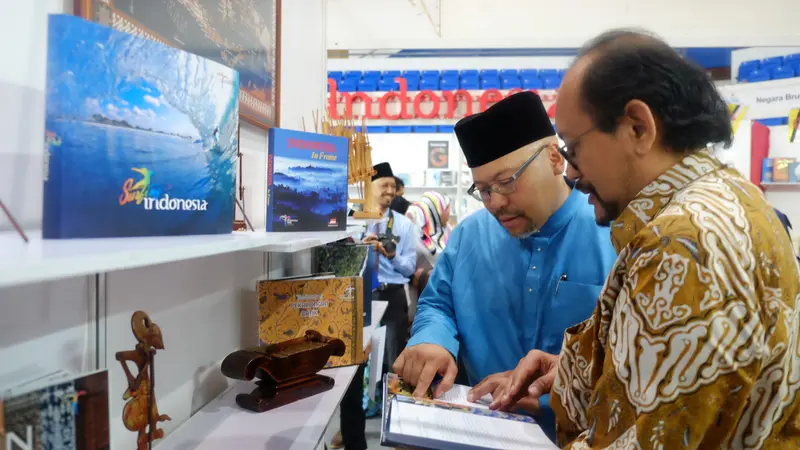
(306, 181)
(141, 138)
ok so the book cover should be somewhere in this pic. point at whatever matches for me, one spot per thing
(65, 414)
(306, 181)
(141, 138)
(452, 423)
(794, 172)
(350, 260)
(781, 169)
(287, 308)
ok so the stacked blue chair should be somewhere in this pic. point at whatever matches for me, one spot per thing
(390, 75)
(748, 67)
(490, 79)
(372, 75)
(509, 73)
(368, 85)
(793, 61)
(430, 80)
(470, 80)
(545, 73)
(551, 82)
(757, 76)
(783, 72)
(352, 75)
(509, 82)
(388, 85)
(336, 75)
(528, 74)
(450, 80)
(532, 83)
(350, 85)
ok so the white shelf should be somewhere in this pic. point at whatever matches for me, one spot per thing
(223, 425)
(781, 186)
(45, 260)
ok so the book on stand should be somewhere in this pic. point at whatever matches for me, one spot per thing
(453, 423)
(306, 181)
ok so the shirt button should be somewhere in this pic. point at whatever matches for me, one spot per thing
(530, 290)
(539, 249)
(533, 267)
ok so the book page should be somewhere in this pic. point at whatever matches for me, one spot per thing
(457, 395)
(468, 428)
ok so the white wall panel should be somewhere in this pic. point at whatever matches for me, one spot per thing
(397, 24)
(253, 145)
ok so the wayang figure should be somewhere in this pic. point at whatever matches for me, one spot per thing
(140, 394)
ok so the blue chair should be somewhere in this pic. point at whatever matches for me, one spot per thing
(532, 83)
(748, 67)
(783, 72)
(758, 76)
(391, 75)
(469, 73)
(372, 75)
(429, 84)
(353, 75)
(772, 61)
(428, 74)
(449, 83)
(510, 83)
(489, 73)
(551, 82)
(387, 85)
(561, 73)
(793, 61)
(411, 73)
(368, 85)
(470, 82)
(348, 86)
(450, 73)
(412, 85)
(544, 73)
(509, 73)
(336, 75)
(528, 73)
(490, 82)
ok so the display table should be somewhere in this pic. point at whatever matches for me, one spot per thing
(221, 424)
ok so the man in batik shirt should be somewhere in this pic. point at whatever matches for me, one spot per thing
(694, 341)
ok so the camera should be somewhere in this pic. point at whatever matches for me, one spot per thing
(389, 242)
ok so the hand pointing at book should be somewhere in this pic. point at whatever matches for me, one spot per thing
(533, 377)
(419, 365)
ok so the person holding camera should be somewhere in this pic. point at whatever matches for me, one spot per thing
(394, 239)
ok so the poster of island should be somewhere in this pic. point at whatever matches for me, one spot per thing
(241, 34)
(141, 138)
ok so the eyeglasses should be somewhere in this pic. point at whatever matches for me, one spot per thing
(568, 150)
(505, 186)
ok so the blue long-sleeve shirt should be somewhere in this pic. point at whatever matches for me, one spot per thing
(492, 297)
(398, 269)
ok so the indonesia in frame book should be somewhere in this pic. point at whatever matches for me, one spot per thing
(306, 181)
(141, 138)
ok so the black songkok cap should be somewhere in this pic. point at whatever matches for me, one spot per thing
(382, 170)
(504, 127)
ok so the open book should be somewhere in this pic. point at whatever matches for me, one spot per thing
(452, 422)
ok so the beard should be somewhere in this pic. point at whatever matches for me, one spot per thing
(605, 212)
(529, 228)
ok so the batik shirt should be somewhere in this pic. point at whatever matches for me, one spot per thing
(694, 341)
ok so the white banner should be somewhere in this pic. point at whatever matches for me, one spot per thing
(766, 99)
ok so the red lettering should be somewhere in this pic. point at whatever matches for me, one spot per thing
(489, 95)
(426, 95)
(402, 96)
(349, 99)
(452, 97)
(333, 100)
(310, 145)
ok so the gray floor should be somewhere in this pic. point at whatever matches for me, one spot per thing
(373, 430)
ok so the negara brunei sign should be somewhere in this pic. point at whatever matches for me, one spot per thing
(420, 105)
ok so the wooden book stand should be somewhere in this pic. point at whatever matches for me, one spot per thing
(287, 371)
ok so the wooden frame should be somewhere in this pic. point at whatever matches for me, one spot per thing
(87, 8)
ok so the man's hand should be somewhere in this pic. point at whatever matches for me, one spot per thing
(418, 365)
(496, 385)
(533, 377)
(376, 244)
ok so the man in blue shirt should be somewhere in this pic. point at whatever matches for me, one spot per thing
(394, 238)
(514, 276)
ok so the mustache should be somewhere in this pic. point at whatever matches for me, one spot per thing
(507, 212)
(586, 188)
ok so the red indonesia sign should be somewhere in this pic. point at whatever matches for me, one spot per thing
(425, 105)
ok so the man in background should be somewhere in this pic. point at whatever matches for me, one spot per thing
(693, 343)
(400, 187)
(394, 239)
(514, 275)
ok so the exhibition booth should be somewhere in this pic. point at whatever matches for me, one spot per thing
(166, 172)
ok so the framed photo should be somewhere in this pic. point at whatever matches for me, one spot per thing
(241, 34)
